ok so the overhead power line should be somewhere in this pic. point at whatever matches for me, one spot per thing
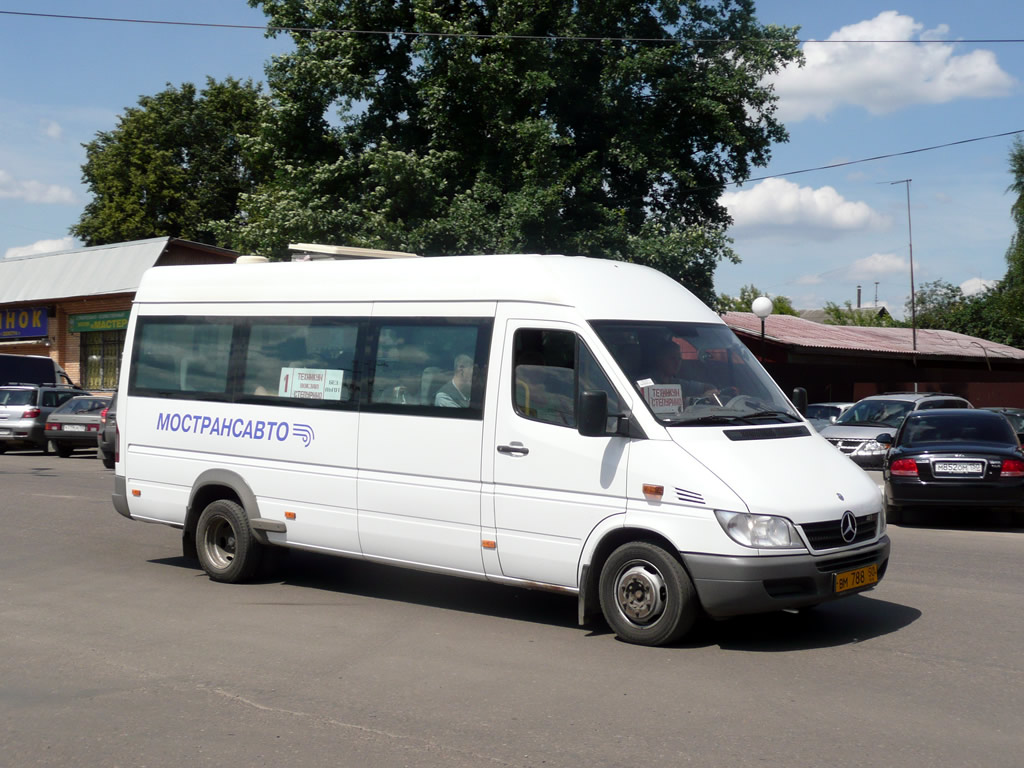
(880, 157)
(481, 36)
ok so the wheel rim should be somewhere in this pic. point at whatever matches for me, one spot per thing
(219, 543)
(640, 593)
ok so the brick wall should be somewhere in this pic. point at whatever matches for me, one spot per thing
(66, 348)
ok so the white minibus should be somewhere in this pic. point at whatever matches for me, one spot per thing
(565, 423)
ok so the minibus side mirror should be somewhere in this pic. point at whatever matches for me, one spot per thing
(592, 419)
(800, 400)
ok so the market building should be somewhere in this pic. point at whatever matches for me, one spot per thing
(73, 306)
(846, 363)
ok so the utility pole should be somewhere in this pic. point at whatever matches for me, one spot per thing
(913, 298)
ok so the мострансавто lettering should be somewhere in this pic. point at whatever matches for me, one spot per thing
(243, 429)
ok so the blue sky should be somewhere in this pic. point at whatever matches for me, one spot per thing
(813, 236)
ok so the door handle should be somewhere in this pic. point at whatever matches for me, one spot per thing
(516, 449)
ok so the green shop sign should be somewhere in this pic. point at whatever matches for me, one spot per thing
(99, 321)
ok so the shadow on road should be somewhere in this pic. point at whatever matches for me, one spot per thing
(843, 622)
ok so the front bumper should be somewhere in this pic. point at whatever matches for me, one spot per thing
(734, 586)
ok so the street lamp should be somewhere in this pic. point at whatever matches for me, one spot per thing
(762, 307)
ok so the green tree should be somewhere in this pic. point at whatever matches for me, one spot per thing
(171, 166)
(604, 129)
(935, 304)
(781, 305)
(850, 315)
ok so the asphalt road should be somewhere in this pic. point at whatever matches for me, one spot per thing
(115, 652)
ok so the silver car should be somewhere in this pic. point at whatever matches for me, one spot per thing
(855, 431)
(24, 409)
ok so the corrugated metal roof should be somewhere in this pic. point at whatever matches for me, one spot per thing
(102, 269)
(800, 333)
(97, 271)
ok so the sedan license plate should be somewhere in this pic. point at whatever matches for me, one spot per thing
(958, 467)
(74, 427)
(860, 577)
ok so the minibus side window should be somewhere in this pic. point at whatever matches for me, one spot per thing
(181, 356)
(302, 359)
(429, 366)
(546, 363)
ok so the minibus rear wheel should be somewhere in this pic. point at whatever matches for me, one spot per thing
(227, 549)
(646, 596)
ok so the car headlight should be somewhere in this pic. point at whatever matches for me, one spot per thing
(759, 531)
(870, 448)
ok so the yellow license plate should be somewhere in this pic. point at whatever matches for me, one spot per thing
(861, 577)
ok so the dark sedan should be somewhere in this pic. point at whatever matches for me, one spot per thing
(76, 424)
(953, 458)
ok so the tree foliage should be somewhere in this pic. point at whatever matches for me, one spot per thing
(847, 314)
(605, 129)
(781, 305)
(172, 166)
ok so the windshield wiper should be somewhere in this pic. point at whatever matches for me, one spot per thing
(776, 414)
(715, 418)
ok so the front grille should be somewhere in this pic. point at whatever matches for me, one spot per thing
(828, 535)
(846, 445)
(848, 563)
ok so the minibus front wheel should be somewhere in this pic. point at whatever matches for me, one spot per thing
(227, 549)
(646, 596)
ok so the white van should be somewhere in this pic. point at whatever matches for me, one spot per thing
(564, 423)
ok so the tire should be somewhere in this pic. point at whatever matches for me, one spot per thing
(646, 596)
(63, 450)
(107, 459)
(3, 447)
(227, 549)
(893, 514)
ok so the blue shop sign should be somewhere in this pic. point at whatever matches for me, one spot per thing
(23, 323)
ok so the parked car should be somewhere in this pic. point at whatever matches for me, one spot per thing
(75, 424)
(822, 415)
(954, 457)
(1015, 417)
(24, 409)
(855, 431)
(106, 442)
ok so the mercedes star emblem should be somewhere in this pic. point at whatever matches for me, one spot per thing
(848, 526)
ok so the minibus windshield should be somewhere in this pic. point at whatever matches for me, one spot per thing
(692, 374)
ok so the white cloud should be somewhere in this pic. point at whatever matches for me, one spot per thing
(41, 246)
(878, 265)
(976, 285)
(883, 77)
(775, 205)
(51, 129)
(33, 191)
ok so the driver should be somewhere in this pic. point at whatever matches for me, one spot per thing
(665, 369)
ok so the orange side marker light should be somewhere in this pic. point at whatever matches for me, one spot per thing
(653, 492)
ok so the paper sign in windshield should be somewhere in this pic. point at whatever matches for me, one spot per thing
(664, 399)
(311, 383)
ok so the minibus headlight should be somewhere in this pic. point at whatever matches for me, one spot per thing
(759, 531)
